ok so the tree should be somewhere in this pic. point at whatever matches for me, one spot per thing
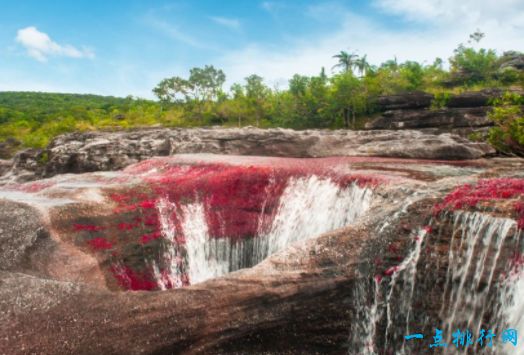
(470, 66)
(237, 106)
(206, 83)
(298, 84)
(202, 86)
(391, 64)
(413, 73)
(256, 94)
(172, 89)
(348, 97)
(346, 61)
(476, 36)
(362, 65)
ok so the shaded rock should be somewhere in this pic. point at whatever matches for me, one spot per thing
(474, 98)
(414, 111)
(9, 147)
(512, 59)
(5, 166)
(408, 100)
(440, 118)
(20, 227)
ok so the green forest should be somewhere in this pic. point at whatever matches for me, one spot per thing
(338, 97)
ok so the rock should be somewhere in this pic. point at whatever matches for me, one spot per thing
(5, 166)
(98, 151)
(414, 111)
(394, 267)
(108, 151)
(474, 99)
(409, 100)
(447, 118)
(26, 165)
(20, 227)
(512, 59)
(8, 147)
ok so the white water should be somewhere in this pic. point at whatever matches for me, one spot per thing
(479, 236)
(363, 335)
(307, 208)
(512, 304)
(474, 253)
(407, 273)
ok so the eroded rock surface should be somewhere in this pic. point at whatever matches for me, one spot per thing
(336, 291)
(106, 151)
(461, 114)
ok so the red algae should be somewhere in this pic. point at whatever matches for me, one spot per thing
(99, 243)
(34, 186)
(87, 227)
(239, 202)
(146, 238)
(519, 208)
(468, 196)
(132, 280)
(378, 278)
(391, 270)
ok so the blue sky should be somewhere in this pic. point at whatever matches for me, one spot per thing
(124, 48)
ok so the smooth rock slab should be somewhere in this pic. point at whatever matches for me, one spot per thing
(81, 152)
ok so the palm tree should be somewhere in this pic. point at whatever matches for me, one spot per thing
(346, 61)
(362, 65)
(391, 64)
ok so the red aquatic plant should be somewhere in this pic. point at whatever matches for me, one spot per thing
(99, 243)
(238, 201)
(87, 227)
(468, 196)
(146, 238)
(132, 280)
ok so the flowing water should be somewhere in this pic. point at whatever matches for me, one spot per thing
(473, 298)
(308, 207)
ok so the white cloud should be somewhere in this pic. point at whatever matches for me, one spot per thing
(40, 46)
(442, 29)
(231, 23)
(452, 11)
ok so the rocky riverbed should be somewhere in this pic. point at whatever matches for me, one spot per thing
(225, 254)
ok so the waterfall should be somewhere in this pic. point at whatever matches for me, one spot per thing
(308, 207)
(475, 236)
(404, 274)
(511, 312)
(368, 314)
(473, 296)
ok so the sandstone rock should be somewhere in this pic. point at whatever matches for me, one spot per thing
(8, 147)
(20, 227)
(512, 59)
(447, 118)
(413, 111)
(5, 166)
(314, 296)
(107, 151)
(409, 100)
(115, 150)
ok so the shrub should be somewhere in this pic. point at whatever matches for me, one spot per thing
(508, 134)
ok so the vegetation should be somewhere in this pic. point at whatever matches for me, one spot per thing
(342, 98)
(508, 134)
